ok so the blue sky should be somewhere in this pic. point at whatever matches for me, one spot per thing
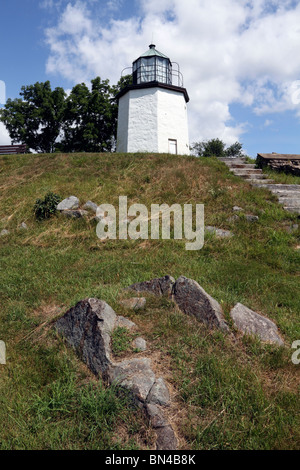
(240, 58)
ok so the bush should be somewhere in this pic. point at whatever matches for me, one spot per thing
(45, 208)
(216, 148)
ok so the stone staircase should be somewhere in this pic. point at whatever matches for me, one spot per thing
(288, 194)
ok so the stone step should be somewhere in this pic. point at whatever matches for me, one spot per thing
(258, 182)
(242, 171)
(244, 166)
(289, 201)
(292, 209)
(283, 194)
(287, 187)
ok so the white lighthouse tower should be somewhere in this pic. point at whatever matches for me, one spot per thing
(152, 114)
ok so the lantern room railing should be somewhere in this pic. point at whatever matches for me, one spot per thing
(170, 75)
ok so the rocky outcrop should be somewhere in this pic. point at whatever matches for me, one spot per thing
(157, 286)
(135, 375)
(194, 301)
(75, 213)
(69, 203)
(165, 436)
(251, 323)
(159, 393)
(87, 328)
(90, 206)
(218, 232)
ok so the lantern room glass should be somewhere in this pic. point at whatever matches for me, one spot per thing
(152, 69)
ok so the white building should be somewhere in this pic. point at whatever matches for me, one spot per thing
(152, 114)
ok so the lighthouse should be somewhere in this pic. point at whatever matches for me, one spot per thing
(152, 112)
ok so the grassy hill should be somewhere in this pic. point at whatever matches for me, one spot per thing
(227, 393)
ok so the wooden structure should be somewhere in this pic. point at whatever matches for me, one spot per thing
(10, 149)
(289, 163)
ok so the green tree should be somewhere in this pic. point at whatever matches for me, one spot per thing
(235, 150)
(210, 148)
(35, 119)
(216, 148)
(90, 118)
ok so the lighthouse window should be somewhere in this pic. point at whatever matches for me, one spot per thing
(173, 146)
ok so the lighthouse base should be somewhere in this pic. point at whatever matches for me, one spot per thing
(153, 119)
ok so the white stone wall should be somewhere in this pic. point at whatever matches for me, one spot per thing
(172, 121)
(149, 117)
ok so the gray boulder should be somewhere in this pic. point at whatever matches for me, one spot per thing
(140, 343)
(87, 328)
(90, 206)
(157, 286)
(135, 375)
(194, 301)
(74, 213)
(218, 232)
(23, 226)
(123, 322)
(251, 323)
(69, 203)
(165, 436)
(251, 218)
(237, 209)
(4, 232)
(159, 393)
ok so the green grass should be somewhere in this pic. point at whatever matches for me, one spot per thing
(229, 393)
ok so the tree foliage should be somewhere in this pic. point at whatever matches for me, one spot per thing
(216, 148)
(35, 118)
(46, 120)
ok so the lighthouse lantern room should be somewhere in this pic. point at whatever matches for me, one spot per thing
(152, 115)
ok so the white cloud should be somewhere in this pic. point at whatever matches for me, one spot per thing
(4, 136)
(230, 51)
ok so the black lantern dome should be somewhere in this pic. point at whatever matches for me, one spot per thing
(152, 66)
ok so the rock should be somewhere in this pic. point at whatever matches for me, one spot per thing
(159, 393)
(252, 218)
(237, 209)
(251, 323)
(194, 301)
(75, 214)
(156, 416)
(69, 203)
(233, 218)
(135, 375)
(123, 322)
(166, 439)
(136, 303)
(220, 233)
(140, 343)
(158, 286)
(90, 206)
(4, 232)
(87, 328)
(2, 353)
(165, 436)
(23, 226)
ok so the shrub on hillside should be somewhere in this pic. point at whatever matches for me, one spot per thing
(216, 148)
(45, 208)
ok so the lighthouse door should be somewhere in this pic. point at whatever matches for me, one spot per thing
(173, 146)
